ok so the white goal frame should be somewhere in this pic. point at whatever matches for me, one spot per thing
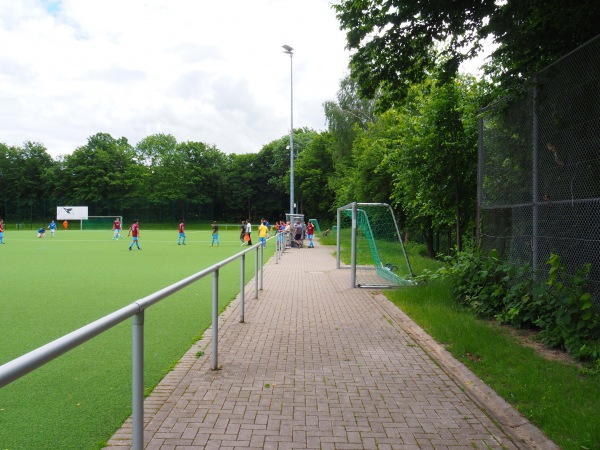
(354, 206)
(106, 217)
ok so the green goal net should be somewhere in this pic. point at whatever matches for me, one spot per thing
(100, 222)
(380, 259)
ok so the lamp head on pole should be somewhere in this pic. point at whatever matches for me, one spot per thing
(289, 50)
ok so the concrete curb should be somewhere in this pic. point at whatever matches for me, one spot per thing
(524, 433)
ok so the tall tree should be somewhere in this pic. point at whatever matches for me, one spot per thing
(103, 169)
(345, 117)
(398, 42)
(532, 34)
(434, 164)
(313, 168)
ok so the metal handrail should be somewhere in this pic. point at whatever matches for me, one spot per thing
(18, 367)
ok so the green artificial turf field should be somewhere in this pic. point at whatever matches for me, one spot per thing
(53, 286)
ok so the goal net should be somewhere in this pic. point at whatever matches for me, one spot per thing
(369, 243)
(315, 222)
(100, 222)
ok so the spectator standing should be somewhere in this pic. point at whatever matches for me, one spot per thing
(299, 232)
(310, 231)
(263, 232)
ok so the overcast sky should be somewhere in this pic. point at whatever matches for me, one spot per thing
(202, 70)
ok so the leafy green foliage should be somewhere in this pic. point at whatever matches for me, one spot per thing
(565, 311)
(561, 307)
(397, 43)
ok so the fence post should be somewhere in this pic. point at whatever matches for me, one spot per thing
(138, 382)
(242, 286)
(215, 320)
(534, 179)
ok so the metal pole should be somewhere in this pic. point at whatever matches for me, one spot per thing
(290, 51)
(256, 273)
(338, 245)
(215, 320)
(534, 180)
(242, 286)
(137, 390)
(353, 248)
(261, 266)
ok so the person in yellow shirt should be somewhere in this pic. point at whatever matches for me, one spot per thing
(263, 231)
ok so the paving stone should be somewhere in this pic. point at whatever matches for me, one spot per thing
(320, 365)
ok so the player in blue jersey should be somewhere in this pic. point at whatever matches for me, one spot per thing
(52, 228)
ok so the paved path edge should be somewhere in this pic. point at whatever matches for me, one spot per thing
(512, 422)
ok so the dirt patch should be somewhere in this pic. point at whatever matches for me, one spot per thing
(527, 338)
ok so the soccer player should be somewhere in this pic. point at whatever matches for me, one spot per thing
(52, 228)
(243, 232)
(215, 233)
(249, 231)
(117, 229)
(181, 238)
(134, 231)
(1, 231)
(65, 225)
(263, 231)
(41, 233)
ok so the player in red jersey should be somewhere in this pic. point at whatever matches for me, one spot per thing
(181, 239)
(134, 231)
(117, 229)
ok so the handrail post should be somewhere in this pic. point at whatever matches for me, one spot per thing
(256, 273)
(138, 382)
(261, 266)
(242, 286)
(215, 320)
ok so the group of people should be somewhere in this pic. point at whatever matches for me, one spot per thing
(282, 227)
(41, 233)
(293, 235)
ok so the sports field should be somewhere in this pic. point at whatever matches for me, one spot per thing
(52, 286)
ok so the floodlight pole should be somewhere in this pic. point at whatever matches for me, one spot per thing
(290, 51)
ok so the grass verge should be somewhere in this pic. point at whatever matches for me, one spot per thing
(559, 398)
(53, 286)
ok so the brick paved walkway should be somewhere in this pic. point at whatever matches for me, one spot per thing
(319, 365)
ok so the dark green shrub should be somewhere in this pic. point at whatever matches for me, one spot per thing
(489, 286)
(565, 311)
(561, 307)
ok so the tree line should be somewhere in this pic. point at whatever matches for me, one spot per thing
(402, 130)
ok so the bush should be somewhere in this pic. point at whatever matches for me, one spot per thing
(561, 307)
(565, 311)
(492, 288)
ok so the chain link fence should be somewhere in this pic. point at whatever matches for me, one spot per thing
(539, 169)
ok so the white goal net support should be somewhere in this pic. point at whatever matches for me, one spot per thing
(370, 245)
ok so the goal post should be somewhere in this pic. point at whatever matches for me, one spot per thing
(100, 222)
(315, 222)
(368, 242)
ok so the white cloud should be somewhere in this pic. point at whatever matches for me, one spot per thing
(201, 70)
